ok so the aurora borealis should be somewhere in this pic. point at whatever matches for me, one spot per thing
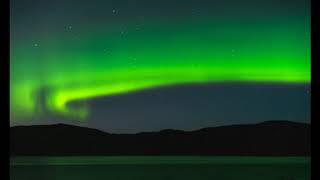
(63, 52)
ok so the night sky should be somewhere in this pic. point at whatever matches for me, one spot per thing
(143, 65)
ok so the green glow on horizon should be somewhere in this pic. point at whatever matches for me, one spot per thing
(134, 160)
(107, 61)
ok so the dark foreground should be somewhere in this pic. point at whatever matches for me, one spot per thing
(272, 138)
(160, 167)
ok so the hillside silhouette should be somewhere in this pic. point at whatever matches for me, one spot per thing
(270, 138)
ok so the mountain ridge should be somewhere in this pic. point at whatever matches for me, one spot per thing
(272, 138)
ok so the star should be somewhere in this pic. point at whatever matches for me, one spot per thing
(113, 11)
(35, 45)
(68, 28)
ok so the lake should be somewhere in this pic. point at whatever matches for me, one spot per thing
(159, 167)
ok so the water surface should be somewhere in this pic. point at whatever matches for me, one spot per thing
(159, 167)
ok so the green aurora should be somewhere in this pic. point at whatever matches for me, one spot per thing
(77, 63)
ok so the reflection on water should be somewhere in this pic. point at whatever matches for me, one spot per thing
(184, 170)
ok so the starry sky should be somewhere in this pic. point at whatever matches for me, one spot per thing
(142, 65)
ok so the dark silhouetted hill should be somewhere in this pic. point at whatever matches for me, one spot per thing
(271, 138)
